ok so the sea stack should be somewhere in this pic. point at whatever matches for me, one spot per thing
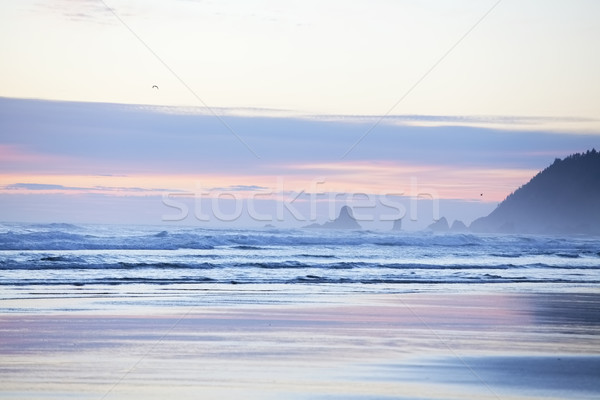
(397, 225)
(441, 225)
(458, 226)
(345, 220)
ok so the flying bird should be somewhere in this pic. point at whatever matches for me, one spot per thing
(154, 86)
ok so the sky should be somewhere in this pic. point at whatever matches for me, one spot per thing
(280, 109)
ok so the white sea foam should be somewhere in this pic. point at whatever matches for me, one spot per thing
(69, 255)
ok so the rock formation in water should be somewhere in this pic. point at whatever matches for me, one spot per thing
(441, 225)
(458, 226)
(563, 198)
(345, 220)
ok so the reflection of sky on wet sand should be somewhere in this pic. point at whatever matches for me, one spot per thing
(373, 347)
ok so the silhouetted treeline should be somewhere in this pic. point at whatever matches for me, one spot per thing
(563, 198)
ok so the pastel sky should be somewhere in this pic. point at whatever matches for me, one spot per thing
(464, 101)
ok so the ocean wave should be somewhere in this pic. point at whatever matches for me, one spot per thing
(59, 240)
(568, 255)
(47, 261)
(506, 255)
(74, 237)
(67, 263)
(57, 226)
(302, 279)
(315, 256)
(111, 281)
(449, 240)
(65, 237)
(59, 254)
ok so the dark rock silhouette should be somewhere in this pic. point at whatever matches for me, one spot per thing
(397, 225)
(345, 220)
(441, 225)
(563, 198)
(458, 226)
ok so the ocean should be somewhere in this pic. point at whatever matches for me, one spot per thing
(141, 312)
(55, 260)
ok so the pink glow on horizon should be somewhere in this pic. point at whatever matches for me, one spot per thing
(379, 178)
(444, 181)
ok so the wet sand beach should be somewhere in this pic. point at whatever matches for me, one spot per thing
(363, 346)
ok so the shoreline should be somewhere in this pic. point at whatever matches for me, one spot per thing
(415, 345)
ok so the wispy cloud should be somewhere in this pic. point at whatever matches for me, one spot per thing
(241, 188)
(508, 122)
(34, 187)
(37, 186)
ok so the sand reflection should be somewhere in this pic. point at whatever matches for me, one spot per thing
(426, 346)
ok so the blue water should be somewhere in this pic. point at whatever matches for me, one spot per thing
(74, 256)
